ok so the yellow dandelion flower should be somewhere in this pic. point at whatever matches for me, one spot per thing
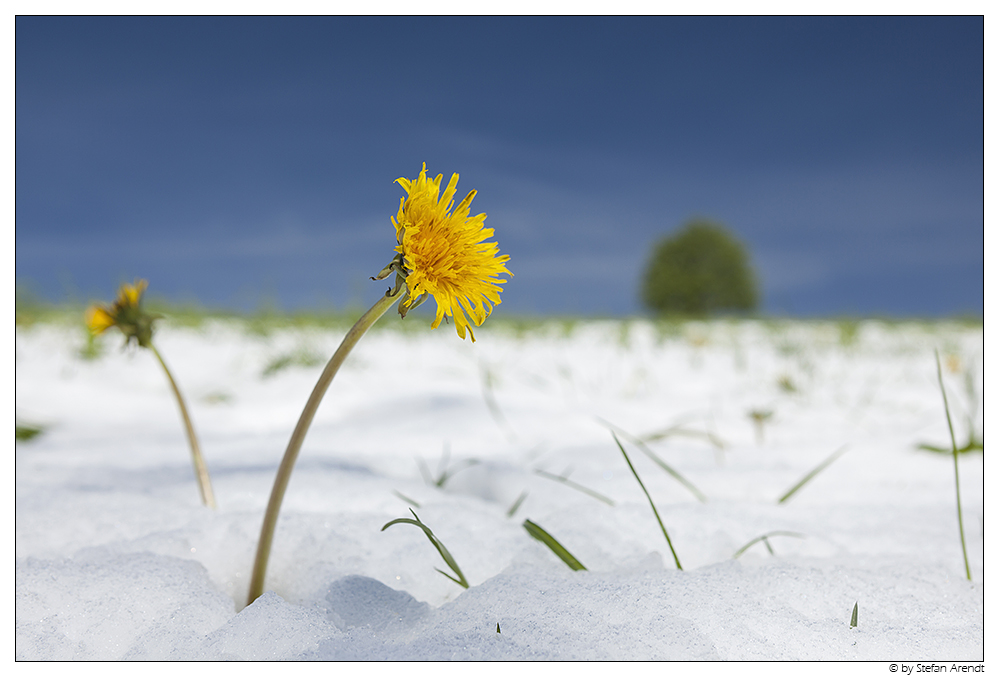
(98, 320)
(124, 313)
(129, 294)
(445, 254)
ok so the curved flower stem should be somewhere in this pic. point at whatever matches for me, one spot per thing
(200, 469)
(298, 436)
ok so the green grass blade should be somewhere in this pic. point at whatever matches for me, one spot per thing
(425, 472)
(658, 461)
(436, 543)
(934, 449)
(556, 547)
(447, 575)
(406, 498)
(23, 433)
(455, 469)
(489, 395)
(680, 431)
(405, 520)
(815, 471)
(516, 504)
(677, 476)
(443, 472)
(853, 618)
(972, 445)
(577, 487)
(957, 481)
(646, 492)
(765, 540)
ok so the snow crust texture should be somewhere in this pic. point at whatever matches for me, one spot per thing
(117, 559)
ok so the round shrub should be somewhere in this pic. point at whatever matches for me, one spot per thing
(699, 270)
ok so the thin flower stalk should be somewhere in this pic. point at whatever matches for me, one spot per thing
(440, 253)
(298, 436)
(200, 467)
(127, 315)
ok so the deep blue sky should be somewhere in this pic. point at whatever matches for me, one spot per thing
(232, 160)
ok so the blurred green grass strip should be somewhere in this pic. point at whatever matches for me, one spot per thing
(298, 358)
(31, 308)
(540, 534)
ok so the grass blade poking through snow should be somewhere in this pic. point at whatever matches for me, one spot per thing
(437, 544)
(658, 461)
(853, 618)
(516, 504)
(556, 547)
(815, 471)
(654, 511)
(957, 481)
(766, 541)
(443, 472)
(578, 487)
(406, 498)
(488, 394)
(680, 431)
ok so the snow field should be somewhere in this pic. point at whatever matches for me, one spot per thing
(116, 558)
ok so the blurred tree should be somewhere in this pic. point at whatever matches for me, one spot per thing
(701, 269)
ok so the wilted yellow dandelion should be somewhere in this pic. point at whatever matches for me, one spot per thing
(137, 325)
(125, 314)
(445, 254)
